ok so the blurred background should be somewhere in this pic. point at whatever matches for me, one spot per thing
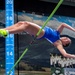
(38, 59)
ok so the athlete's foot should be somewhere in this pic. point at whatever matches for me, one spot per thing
(3, 33)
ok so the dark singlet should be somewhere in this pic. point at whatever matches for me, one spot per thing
(51, 35)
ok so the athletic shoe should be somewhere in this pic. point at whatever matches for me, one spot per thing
(3, 33)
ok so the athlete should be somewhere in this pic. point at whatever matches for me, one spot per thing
(53, 36)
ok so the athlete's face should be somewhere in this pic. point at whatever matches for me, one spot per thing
(65, 40)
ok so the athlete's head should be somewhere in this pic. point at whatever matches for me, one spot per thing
(65, 41)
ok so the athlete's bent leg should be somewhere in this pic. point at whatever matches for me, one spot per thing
(29, 27)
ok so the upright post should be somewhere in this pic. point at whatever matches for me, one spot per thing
(9, 16)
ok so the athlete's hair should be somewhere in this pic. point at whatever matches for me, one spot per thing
(67, 45)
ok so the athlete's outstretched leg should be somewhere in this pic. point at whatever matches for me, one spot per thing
(15, 25)
(29, 27)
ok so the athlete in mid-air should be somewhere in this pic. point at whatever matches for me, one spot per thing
(53, 36)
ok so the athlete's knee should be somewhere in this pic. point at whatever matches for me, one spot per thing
(20, 22)
(23, 24)
(26, 24)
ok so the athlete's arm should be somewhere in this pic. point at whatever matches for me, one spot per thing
(59, 46)
(64, 25)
